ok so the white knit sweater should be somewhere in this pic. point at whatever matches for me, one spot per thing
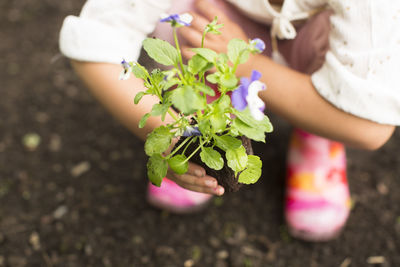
(361, 70)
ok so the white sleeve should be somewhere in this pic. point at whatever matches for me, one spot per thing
(110, 30)
(361, 70)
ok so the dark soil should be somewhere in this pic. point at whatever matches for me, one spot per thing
(226, 176)
(78, 198)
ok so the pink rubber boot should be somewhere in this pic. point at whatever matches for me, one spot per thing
(170, 196)
(317, 193)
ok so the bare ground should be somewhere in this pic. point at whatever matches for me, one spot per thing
(78, 197)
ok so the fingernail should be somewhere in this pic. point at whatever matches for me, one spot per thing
(198, 173)
(210, 183)
(220, 190)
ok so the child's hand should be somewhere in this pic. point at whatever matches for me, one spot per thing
(218, 43)
(195, 179)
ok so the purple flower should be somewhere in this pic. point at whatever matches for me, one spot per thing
(258, 45)
(246, 95)
(178, 20)
(127, 70)
(191, 131)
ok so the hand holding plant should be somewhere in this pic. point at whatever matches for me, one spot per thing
(211, 133)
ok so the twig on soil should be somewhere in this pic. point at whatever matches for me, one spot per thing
(376, 260)
(346, 262)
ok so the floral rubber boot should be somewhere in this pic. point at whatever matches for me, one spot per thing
(317, 193)
(174, 198)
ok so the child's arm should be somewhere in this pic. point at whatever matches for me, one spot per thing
(290, 93)
(117, 95)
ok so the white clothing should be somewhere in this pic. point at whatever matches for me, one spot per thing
(359, 75)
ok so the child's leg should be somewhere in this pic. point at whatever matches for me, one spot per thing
(317, 193)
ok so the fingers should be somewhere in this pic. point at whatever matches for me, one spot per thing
(196, 170)
(188, 178)
(199, 22)
(192, 36)
(210, 11)
(218, 190)
(195, 179)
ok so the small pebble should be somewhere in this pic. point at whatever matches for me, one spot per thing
(376, 260)
(145, 259)
(88, 250)
(34, 240)
(222, 254)
(60, 212)
(42, 117)
(31, 141)
(346, 262)
(137, 240)
(382, 189)
(55, 143)
(188, 263)
(80, 168)
(214, 242)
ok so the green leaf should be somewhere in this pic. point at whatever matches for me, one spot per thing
(157, 76)
(238, 51)
(138, 97)
(213, 27)
(253, 171)
(228, 80)
(172, 82)
(196, 64)
(206, 53)
(226, 142)
(223, 58)
(205, 89)
(159, 109)
(246, 117)
(161, 51)
(223, 103)
(266, 125)
(140, 72)
(178, 164)
(204, 126)
(257, 134)
(157, 168)
(218, 122)
(187, 100)
(237, 158)
(211, 158)
(158, 141)
(213, 78)
(143, 120)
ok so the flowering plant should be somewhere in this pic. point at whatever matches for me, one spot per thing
(215, 126)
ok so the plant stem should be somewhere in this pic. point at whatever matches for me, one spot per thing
(179, 147)
(191, 141)
(170, 112)
(202, 38)
(197, 149)
(237, 61)
(180, 75)
(179, 49)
